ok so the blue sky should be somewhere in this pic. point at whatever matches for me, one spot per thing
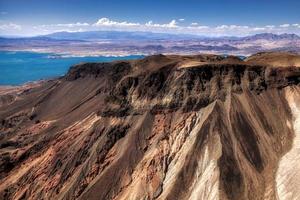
(209, 17)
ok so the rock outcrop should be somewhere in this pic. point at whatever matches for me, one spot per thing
(163, 127)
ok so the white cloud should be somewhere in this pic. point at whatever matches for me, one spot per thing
(171, 24)
(198, 27)
(10, 26)
(70, 25)
(73, 25)
(284, 25)
(231, 27)
(171, 27)
(181, 19)
(259, 28)
(270, 26)
(107, 22)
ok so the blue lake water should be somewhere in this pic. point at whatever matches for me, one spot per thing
(20, 67)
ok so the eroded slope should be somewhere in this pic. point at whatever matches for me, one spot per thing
(164, 127)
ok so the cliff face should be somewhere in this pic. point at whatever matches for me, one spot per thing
(164, 127)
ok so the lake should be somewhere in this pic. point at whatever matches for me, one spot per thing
(18, 67)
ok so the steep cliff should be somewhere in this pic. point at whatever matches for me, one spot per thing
(163, 127)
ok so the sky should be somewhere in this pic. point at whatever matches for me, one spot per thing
(201, 17)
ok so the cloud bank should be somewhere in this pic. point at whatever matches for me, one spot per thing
(179, 26)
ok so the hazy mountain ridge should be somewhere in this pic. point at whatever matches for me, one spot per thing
(120, 43)
(123, 35)
(271, 36)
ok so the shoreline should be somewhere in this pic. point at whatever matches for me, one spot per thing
(58, 54)
(16, 89)
(56, 65)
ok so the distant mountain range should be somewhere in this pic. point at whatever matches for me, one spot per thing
(148, 43)
(271, 36)
(110, 35)
(118, 35)
(123, 35)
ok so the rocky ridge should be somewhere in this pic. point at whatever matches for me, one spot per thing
(163, 127)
